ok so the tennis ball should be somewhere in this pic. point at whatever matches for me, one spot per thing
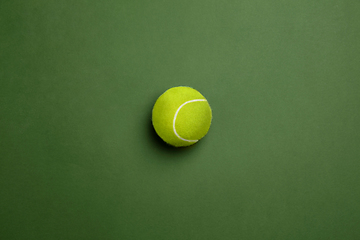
(181, 116)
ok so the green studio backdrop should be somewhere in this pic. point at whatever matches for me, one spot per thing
(79, 158)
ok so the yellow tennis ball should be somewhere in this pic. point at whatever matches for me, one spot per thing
(181, 116)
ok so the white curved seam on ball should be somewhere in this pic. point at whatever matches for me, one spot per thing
(177, 111)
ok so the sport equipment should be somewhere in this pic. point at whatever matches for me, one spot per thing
(181, 116)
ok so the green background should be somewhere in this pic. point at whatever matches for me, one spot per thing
(80, 160)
